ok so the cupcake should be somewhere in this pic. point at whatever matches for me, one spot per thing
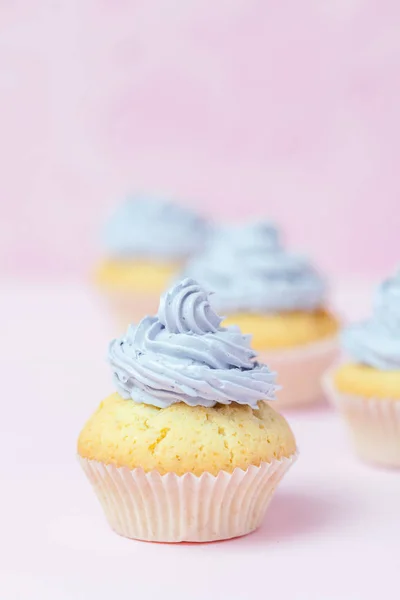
(366, 388)
(186, 449)
(146, 241)
(277, 296)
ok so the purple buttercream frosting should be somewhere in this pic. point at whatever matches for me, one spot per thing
(376, 342)
(154, 228)
(184, 355)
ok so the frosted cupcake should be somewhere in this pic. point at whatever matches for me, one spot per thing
(366, 389)
(276, 296)
(187, 449)
(147, 241)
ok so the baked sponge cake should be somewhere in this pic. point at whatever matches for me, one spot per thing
(366, 386)
(185, 439)
(278, 297)
(187, 448)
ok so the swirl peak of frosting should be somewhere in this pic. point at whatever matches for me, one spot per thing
(376, 342)
(184, 355)
(250, 271)
(150, 227)
(185, 309)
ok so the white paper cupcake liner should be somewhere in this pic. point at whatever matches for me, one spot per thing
(172, 508)
(300, 370)
(374, 424)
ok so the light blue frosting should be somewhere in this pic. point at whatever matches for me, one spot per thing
(250, 271)
(147, 227)
(184, 355)
(376, 342)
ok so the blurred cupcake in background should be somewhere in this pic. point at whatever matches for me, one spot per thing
(277, 296)
(147, 240)
(366, 388)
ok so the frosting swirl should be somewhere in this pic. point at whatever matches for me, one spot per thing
(250, 271)
(184, 355)
(185, 309)
(154, 228)
(376, 342)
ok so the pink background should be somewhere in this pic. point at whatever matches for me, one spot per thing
(287, 109)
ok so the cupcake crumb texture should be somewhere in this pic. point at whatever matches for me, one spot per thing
(183, 439)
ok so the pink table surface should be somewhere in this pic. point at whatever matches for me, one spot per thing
(332, 530)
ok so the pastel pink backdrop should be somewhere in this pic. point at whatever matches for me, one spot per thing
(287, 109)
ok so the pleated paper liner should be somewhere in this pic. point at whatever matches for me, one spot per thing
(374, 424)
(172, 508)
(299, 371)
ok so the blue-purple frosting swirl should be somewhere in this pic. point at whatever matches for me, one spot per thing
(250, 271)
(184, 355)
(376, 342)
(149, 227)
